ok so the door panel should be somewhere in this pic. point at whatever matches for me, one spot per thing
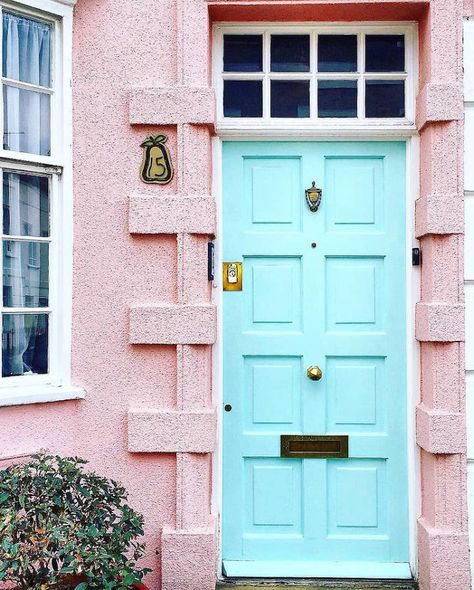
(326, 289)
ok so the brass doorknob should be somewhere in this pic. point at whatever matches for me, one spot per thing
(314, 373)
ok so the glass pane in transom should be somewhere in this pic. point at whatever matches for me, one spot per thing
(290, 53)
(337, 53)
(243, 53)
(384, 98)
(25, 205)
(243, 98)
(385, 53)
(26, 49)
(337, 98)
(290, 98)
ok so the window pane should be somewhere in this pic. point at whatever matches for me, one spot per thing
(290, 99)
(337, 98)
(290, 53)
(384, 53)
(242, 98)
(26, 49)
(384, 98)
(25, 205)
(27, 126)
(337, 53)
(242, 53)
(25, 274)
(24, 344)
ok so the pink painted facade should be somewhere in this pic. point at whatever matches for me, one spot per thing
(143, 318)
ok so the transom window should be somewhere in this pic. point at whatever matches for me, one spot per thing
(316, 74)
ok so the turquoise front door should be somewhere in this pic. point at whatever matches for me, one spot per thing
(320, 289)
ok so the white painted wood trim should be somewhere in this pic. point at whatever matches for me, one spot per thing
(245, 132)
(56, 385)
(17, 396)
(331, 129)
(469, 264)
(58, 8)
(413, 290)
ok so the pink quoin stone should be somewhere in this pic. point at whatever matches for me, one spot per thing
(138, 261)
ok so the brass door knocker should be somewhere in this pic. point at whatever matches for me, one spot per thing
(313, 197)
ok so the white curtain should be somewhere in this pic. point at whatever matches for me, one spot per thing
(22, 332)
(27, 58)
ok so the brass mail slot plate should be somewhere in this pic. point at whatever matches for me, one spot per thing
(310, 446)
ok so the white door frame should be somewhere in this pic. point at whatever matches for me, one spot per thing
(412, 346)
(330, 130)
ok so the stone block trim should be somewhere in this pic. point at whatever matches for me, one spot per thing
(440, 432)
(439, 322)
(188, 559)
(439, 102)
(468, 8)
(172, 215)
(439, 214)
(163, 431)
(447, 552)
(173, 324)
(172, 106)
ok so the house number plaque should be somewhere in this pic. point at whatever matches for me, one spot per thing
(156, 166)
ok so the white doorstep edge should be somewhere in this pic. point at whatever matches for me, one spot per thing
(322, 569)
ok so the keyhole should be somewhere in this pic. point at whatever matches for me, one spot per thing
(313, 244)
(227, 407)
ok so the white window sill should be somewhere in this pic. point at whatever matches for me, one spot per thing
(40, 394)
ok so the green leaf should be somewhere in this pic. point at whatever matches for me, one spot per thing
(3, 497)
(81, 586)
(128, 580)
(6, 544)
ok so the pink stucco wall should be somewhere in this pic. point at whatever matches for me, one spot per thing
(140, 271)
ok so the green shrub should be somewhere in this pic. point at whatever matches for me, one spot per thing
(57, 522)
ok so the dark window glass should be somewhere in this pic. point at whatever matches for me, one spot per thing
(384, 53)
(337, 53)
(242, 98)
(290, 99)
(384, 98)
(25, 205)
(337, 98)
(242, 53)
(290, 53)
(24, 344)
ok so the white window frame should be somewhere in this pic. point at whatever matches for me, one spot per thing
(313, 123)
(56, 385)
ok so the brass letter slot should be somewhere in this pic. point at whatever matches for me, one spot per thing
(331, 446)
